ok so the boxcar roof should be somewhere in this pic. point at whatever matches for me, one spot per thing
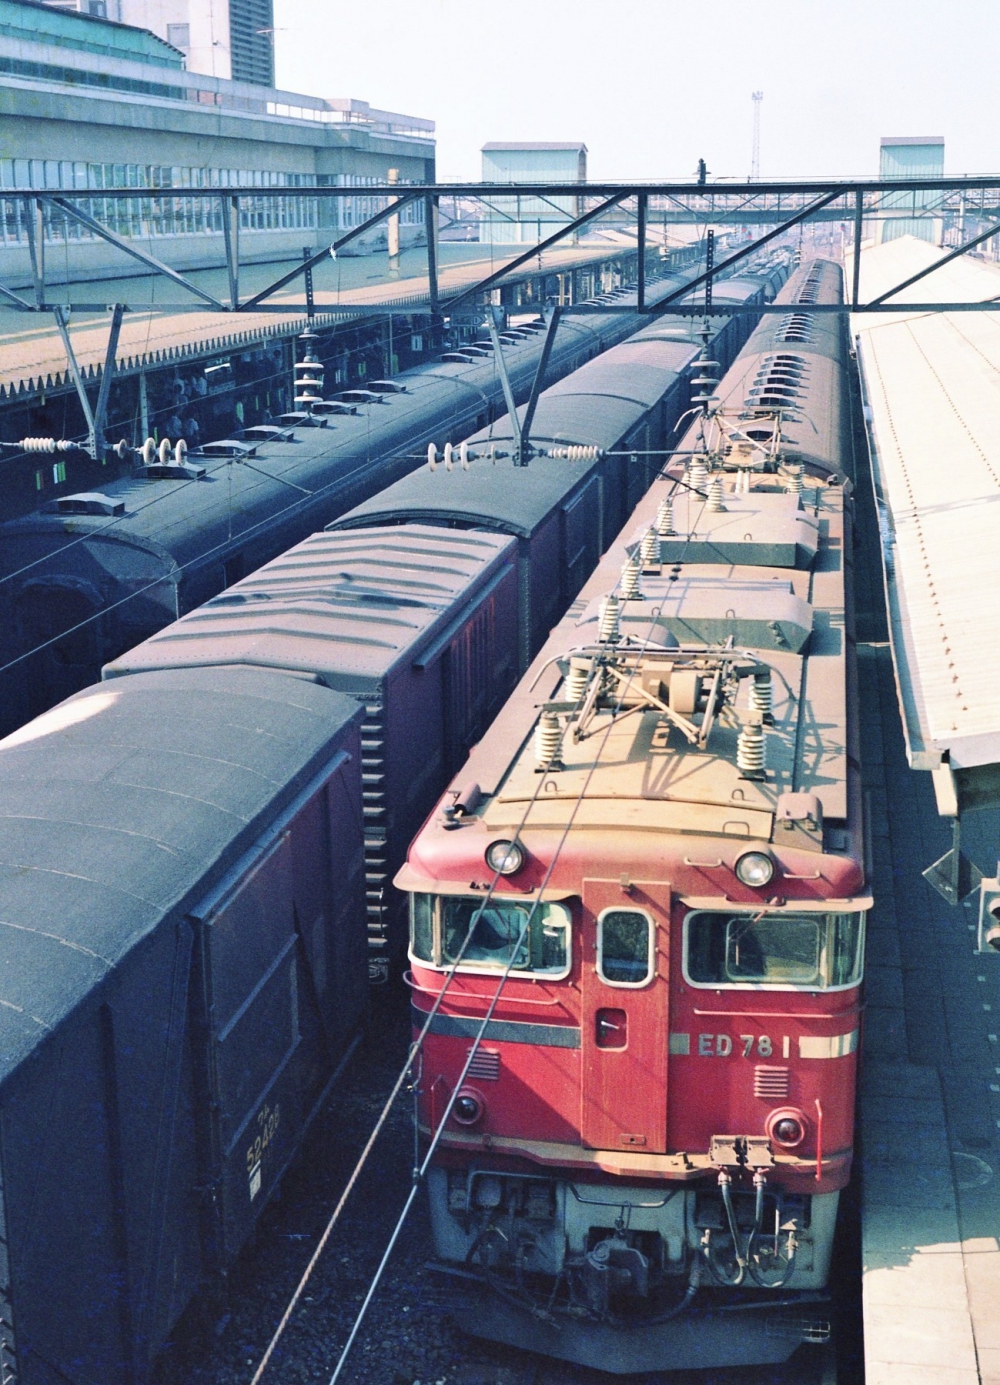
(123, 806)
(346, 606)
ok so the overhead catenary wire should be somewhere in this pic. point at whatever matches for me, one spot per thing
(180, 568)
(119, 519)
(421, 1171)
(414, 1052)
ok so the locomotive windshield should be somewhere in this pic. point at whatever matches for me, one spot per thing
(811, 951)
(535, 935)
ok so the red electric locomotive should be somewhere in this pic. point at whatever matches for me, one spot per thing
(637, 945)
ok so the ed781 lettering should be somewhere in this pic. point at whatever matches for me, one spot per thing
(721, 1045)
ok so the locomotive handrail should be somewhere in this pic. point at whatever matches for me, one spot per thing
(411, 981)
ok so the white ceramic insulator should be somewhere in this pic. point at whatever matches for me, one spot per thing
(463, 455)
(760, 693)
(576, 453)
(630, 580)
(751, 754)
(608, 627)
(697, 475)
(165, 451)
(180, 451)
(148, 452)
(577, 679)
(665, 518)
(650, 548)
(432, 456)
(38, 444)
(715, 494)
(793, 480)
(548, 740)
(449, 461)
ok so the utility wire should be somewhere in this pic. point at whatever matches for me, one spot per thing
(420, 1173)
(415, 1050)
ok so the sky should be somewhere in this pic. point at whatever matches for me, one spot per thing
(652, 85)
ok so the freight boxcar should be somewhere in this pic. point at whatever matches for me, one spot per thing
(418, 625)
(182, 971)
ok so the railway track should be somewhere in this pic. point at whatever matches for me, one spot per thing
(407, 1339)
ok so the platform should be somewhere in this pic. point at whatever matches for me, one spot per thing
(932, 390)
(929, 1129)
(32, 357)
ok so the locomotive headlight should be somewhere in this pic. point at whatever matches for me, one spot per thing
(754, 868)
(786, 1127)
(468, 1108)
(506, 858)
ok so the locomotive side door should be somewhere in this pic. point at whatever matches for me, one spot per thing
(624, 1015)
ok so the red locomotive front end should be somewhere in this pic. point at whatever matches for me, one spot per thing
(637, 947)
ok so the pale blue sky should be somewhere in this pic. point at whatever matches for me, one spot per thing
(650, 85)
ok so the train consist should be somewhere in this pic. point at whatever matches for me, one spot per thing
(637, 915)
(88, 576)
(351, 606)
(193, 855)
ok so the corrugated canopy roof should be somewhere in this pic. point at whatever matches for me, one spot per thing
(933, 390)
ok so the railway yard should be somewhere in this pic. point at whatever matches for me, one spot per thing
(500, 802)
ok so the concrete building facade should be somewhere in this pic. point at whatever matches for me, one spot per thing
(89, 104)
(220, 38)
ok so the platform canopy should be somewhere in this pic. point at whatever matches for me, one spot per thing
(932, 397)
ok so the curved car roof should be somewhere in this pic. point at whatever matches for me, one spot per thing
(121, 807)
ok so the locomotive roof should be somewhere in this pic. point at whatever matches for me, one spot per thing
(121, 807)
(791, 620)
(348, 607)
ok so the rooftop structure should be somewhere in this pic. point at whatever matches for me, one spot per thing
(920, 156)
(530, 218)
(222, 38)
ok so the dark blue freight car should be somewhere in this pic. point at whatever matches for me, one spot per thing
(181, 974)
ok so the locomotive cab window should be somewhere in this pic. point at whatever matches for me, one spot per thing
(532, 938)
(625, 947)
(774, 951)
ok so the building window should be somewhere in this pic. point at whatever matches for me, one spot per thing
(179, 35)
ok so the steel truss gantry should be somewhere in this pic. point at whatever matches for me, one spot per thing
(958, 203)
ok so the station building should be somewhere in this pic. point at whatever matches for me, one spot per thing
(222, 38)
(91, 104)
